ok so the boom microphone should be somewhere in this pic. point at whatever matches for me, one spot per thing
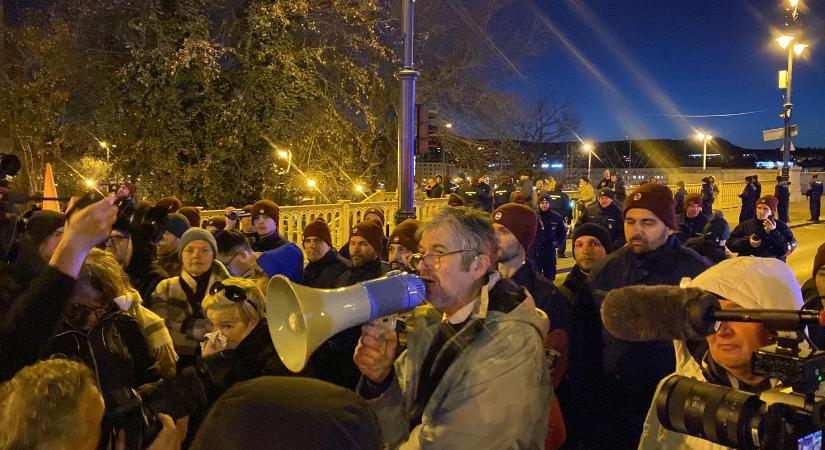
(653, 313)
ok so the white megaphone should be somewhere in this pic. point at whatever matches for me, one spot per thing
(301, 318)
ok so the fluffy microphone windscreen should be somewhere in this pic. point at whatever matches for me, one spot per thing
(652, 313)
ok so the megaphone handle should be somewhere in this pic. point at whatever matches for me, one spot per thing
(387, 322)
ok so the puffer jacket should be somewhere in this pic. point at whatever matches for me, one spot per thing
(171, 302)
(495, 394)
(770, 284)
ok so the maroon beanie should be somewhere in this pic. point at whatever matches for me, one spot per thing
(769, 200)
(819, 259)
(170, 204)
(267, 208)
(656, 198)
(520, 220)
(192, 214)
(404, 234)
(455, 200)
(218, 222)
(693, 199)
(378, 212)
(318, 228)
(371, 232)
(517, 197)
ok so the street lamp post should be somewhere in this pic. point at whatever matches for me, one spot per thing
(406, 122)
(704, 138)
(794, 46)
(589, 149)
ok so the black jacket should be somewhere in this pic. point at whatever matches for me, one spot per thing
(560, 203)
(502, 194)
(367, 271)
(547, 296)
(32, 320)
(270, 242)
(610, 218)
(679, 200)
(323, 273)
(689, 228)
(813, 300)
(782, 191)
(775, 244)
(707, 247)
(114, 349)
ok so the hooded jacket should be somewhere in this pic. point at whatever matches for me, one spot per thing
(495, 394)
(770, 284)
(171, 302)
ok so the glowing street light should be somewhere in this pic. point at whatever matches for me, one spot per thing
(312, 183)
(449, 125)
(784, 41)
(796, 47)
(588, 147)
(89, 183)
(286, 155)
(704, 138)
(359, 188)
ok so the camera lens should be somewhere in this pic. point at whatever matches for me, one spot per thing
(716, 413)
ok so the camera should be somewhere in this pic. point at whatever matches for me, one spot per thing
(235, 215)
(149, 220)
(788, 417)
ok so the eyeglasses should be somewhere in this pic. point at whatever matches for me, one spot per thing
(433, 261)
(228, 263)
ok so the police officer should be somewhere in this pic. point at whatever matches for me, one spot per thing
(814, 196)
(550, 236)
(605, 213)
(782, 193)
(501, 195)
(560, 203)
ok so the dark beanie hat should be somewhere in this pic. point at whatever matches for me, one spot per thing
(378, 212)
(717, 227)
(198, 234)
(769, 200)
(607, 193)
(218, 222)
(597, 231)
(171, 204)
(517, 197)
(520, 220)
(819, 259)
(176, 223)
(318, 228)
(404, 234)
(192, 215)
(289, 412)
(455, 200)
(656, 198)
(267, 208)
(371, 232)
(43, 223)
(693, 199)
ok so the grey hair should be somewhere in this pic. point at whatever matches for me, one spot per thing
(39, 406)
(472, 228)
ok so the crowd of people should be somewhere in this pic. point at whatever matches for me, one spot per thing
(105, 302)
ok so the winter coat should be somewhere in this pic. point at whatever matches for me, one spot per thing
(114, 348)
(708, 247)
(270, 242)
(679, 200)
(708, 196)
(760, 291)
(776, 244)
(144, 273)
(501, 195)
(170, 263)
(782, 192)
(606, 183)
(485, 197)
(551, 233)
(560, 203)
(171, 302)
(586, 194)
(749, 197)
(324, 272)
(689, 228)
(495, 394)
(615, 371)
(367, 271)
(154, 331)
(610, 218)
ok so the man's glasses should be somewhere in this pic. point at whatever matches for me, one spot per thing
(229, 262)
(433, 261)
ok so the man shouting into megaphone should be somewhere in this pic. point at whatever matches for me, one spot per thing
(479, 377)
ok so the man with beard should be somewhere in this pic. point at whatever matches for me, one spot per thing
(133, 249)
(325, 264)
(265, 214)
(490, 344)
(691, 222)
(167, 249)
(550, 237)
(763, 236)
(624, 374)
(605, 213)
(403, 244)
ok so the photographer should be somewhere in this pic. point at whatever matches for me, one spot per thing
(724, 358)
(763, 236)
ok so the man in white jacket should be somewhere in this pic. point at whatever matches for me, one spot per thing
(725, 357)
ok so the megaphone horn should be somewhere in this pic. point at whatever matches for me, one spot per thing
(301, 318)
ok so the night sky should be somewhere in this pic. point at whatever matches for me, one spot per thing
(651, 58)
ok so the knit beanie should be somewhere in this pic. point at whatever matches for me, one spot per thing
(455, 200)
(378, 212)
(656, 198)
(693, 199)
(318, 228)
(267, 208)
(294, 412)
(595, 230)
(371, 232)
(218, 222)
(517, 197)
(819, 259)
(43, 223)
(192, 215)
(769, 200)
(176, 223)
(404, 234)
(520, 220)
(607, 193)
(171, 204)
(717, 227)
(197, 234)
